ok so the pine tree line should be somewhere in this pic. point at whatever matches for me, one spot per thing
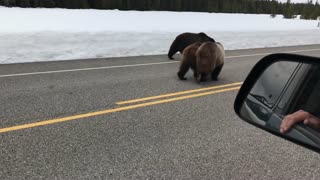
(308, 11)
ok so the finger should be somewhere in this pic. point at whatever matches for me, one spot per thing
(282, 130)
(289, 121)
(292, 119)
(296, 117)
(312, 122)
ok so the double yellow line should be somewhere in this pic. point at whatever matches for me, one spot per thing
(216, 89)
(185, 92)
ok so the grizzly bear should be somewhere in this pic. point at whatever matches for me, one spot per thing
(209, 60)
(185, 39)
(188, 61)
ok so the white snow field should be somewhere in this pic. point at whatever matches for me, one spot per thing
(39, 34)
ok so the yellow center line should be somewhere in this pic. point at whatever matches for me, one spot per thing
(80, 116)
(177, 93)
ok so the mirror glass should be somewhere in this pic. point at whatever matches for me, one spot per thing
(285, 99)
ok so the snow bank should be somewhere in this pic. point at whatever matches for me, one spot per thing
(39, 34)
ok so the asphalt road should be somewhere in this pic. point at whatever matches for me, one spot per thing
(62, 120)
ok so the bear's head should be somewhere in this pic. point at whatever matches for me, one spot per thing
(204, 37)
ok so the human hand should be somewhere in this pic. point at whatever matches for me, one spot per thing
(299, 116)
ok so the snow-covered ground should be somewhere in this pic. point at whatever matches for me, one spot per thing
(28, 35)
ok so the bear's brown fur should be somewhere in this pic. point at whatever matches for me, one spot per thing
(188, 61)
(209, 60)
(185, 39)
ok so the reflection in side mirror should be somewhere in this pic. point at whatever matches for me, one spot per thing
(282, 95)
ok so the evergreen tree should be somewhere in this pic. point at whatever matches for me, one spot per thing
(273, 8)
(5, 2)
(49, 3)
(289, 10)
(315, 11)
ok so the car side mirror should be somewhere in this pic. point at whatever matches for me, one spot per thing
(282, 96)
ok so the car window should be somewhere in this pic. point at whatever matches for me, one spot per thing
(289, 96)
(307, 96)
(272, 82)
